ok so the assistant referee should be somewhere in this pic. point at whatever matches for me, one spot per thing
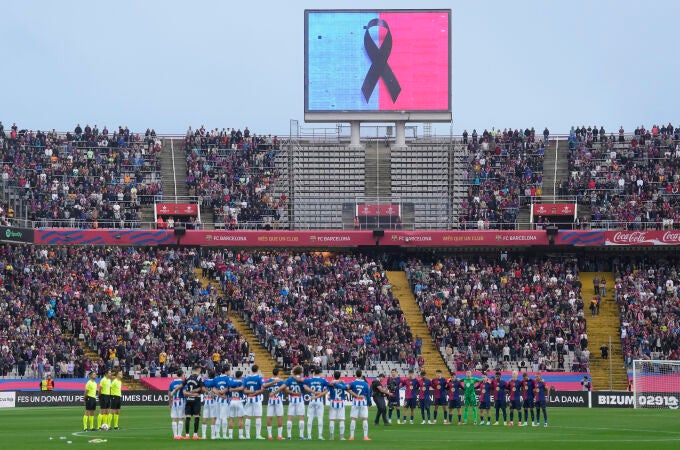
(90, 402)
(116, 396)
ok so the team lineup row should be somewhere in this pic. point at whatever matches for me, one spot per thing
(231, 402)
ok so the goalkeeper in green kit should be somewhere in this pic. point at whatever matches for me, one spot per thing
(470, 398)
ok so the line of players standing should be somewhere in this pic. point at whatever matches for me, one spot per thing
(459, 394)
(231, 402)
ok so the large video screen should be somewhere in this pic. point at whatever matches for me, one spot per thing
(377, 61)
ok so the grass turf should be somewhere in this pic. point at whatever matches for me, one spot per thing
(148, 428)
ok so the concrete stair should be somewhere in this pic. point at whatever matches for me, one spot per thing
(414, 318)
(378, 173)
(174, 175)
(262, 356)
(600, 328)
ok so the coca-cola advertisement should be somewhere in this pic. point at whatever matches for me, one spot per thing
(642, 238)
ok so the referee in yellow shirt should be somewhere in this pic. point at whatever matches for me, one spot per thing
(90, 402)
(104, 400)
(116, 396)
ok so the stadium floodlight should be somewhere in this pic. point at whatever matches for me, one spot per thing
(656, 384)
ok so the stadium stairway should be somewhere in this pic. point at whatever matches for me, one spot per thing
(600, 328)
(129, 383)
(174, 171)
(414, 318)
(262, 356)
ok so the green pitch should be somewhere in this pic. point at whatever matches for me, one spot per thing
(149, 428)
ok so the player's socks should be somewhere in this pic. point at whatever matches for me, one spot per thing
(309, 428)
(115, 420)
(474, 414)
(512, 415)
(109, 419)
(289, 428)
(352, 426)
(301, 427)
(458, 418)
(398, 414)
(319, 427)
(465, 414)
(240, 433)
(187, 425)
(247, 427)
(100, 418)
(365, 425)
(175, 432)
(269, 431)
(197, 422)
(85, 422)
(342, 429)
(532, 415)
(231, 433)
(91, 421)
(519, 416)
(435, 415)
(331, 429)
(204, 430)
(258, 427)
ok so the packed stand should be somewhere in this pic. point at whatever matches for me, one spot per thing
(647, 296)
(82, 179)
(512, 313)
(503, 171)
(333, 311)
(629, 181)
(143, 310)
(231, 172)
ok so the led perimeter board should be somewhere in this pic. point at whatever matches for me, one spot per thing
(377, 65)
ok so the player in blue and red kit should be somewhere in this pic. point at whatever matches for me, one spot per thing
(410, 395)
(454, 389)
(439, 393)
(541, 391)
(528, 386)
(514, 387)
(498, 387)
(424, 398)
(485, 390)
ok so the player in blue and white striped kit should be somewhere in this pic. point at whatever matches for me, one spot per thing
(361, 392)
(295, 388)
(177, 405)
(338, 395)
(319, 386)
(254, 389)
(210, 407)
(274, 404)
(221, 384)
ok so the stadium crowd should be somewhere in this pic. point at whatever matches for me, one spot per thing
(231, 172)
(629, 182)
(484, 311)
(318, 310)
(647, 296)
(88, 178)
(501, 169)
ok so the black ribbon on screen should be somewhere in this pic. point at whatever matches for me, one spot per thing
(379, 67)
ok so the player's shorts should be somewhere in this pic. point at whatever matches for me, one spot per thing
(540, 404)
(236, 409)
(177, 410)
(90, 404)
(104, 401)
(515, 404)
(336, 413)
(275, 410)
(192, 408)
(484, 405)
(358, 412)
(211, 410)
(528, 402)
(470, 401)
(223, 410)
(296, 409)
(393, 402)
(454, 404)
(315, 410)
(410, 403)
(441, 401)
(424, 403)
(116, 401)
(501, 405)
(253, 409)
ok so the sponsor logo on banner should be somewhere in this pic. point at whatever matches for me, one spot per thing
(643, 238)
(16, 234)
(7, 399)
(668, 401)
(75, 398)
(612, 399)
(569, 399)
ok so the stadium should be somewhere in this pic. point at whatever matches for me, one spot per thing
(369, 261)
